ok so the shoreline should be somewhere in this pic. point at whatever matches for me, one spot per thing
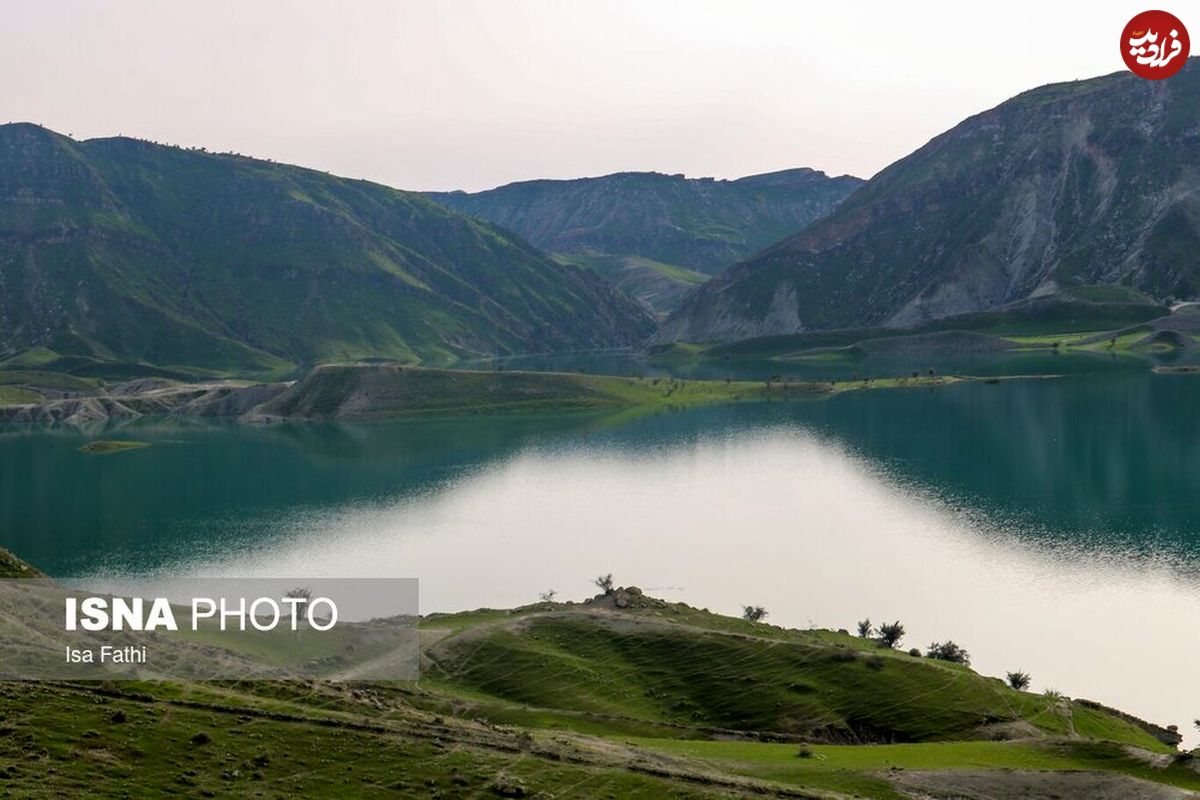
(375, 391)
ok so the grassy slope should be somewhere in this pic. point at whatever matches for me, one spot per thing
(393, 390)
(861, 769)
(673, 668)
(1039, 325)
(434, 739)
(655, 283)
(63, 742)
(190, 259)
(701, 223)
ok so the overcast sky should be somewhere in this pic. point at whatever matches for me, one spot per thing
(440, 94)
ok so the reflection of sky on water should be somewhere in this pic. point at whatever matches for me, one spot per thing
(1048, 525)
(779, 518)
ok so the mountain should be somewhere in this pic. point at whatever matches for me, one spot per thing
(126, 250)
(1071, 185)
(656, 235)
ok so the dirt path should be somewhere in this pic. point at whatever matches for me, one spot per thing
(1022, 785)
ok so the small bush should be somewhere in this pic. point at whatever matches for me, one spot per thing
(754, 613)
(605, 583)
(890, 634)
(1019, 680)
(915, 653)
(804, 752)
(864, 629)
(949, 651)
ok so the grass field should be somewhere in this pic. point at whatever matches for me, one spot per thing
(854, 769)
(656, 700)
(1103, 308)
(18, 396)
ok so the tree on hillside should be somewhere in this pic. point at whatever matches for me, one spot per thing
(754, 613)
(548, 596)
(1019, 680)
(864, 629)
(605, 583)
(890, 633)
(299, 593)
(949, 651)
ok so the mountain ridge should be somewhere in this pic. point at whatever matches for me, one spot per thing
(1080, 183)
(124, 249)
(655, 234)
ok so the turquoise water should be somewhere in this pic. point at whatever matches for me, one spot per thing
(1051, 525)
(1104, 460)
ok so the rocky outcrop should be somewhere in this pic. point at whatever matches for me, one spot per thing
(148, 398)
(74, 411)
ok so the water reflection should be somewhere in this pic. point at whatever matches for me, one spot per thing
(1048, 525)
(779, 517)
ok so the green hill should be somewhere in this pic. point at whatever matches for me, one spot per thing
(673, 670)
(387, 390)
(122, 250)
(623, 696)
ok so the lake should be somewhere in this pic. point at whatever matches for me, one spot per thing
(1045, 525)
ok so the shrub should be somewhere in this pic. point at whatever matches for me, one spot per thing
(548, 596)
(864, 629)
(890, 633)
(754, 613)
(915, 653)
(1019, 680)
(804, 752)
(605, 583)
(949, 651)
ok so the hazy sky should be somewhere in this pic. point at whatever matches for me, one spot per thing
(439, 94)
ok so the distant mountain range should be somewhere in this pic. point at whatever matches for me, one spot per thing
(125, 250)
(1066, 186)
(657, 236)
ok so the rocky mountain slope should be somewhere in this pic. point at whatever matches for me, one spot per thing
(657, 235)
(126, 250)
(1066, 186)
